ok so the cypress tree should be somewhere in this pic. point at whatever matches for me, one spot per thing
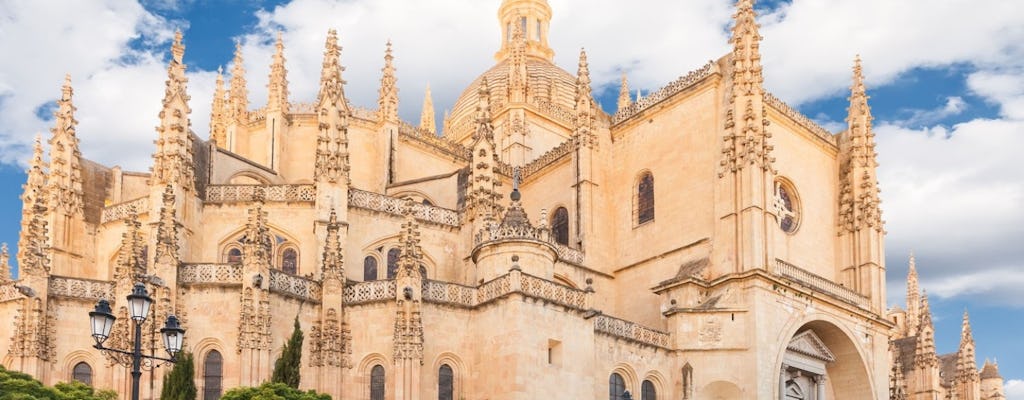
(286, 368)
(180, 384)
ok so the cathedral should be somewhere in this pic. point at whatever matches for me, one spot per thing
(706, 241)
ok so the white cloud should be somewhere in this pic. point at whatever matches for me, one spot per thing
(1014, 389)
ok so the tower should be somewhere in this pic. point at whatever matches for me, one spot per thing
(533, 19)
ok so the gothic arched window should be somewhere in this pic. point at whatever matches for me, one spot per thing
(787, 206)
(213, 373)
(369, 269)
(377, 383)
(82, 373)
(234, 256)
(290, 261)
(560, 225)
(644, 201)
(647, 391)
(616, 387)
(445, 383)
(393, 262)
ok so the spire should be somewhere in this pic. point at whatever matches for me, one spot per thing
(131, 258)
(332, 142)
(584, 104)
(33, 251)
(583, 92)
(859, 205)
(219, 114)
(913, 298)
(482, 196)
(517, 76)
(427, 122)
(746, 143)
(277, 86)
(624, 100)
(483, 111)
(172, 162)
(533, 19)
(64, 185)
(238, 97)
(5, 264)
(967, 367)
(167, 230)
(746, 41)
(388, 101)
(924, 354)
(411, 255)
(333, 266)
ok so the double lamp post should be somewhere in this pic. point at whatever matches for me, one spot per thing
(139, 302)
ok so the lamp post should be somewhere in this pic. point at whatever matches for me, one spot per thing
(102, 320)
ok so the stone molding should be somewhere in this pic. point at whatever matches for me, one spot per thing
(268, 193)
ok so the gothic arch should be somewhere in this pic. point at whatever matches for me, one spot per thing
(849, 373)
(75, 357)
(364, 369)
(659, 382)
(458, 369)
(629, 375)
(202, 347)
(387, 243)
(232, 240)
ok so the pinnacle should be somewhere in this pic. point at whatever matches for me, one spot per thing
(427, 121)
(624, 100)
(178, 49)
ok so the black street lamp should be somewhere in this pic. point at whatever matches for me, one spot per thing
(102, 320)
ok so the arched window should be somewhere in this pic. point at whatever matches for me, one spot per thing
(644, 202)
(213, 373)
(560, 225)
(787, 206)
(377, 383)
(369, 269)
(423, 272)
(234, 256)
(445, 383)
(290, 261)
(647, 391)
(616, 387)
(82, 373)
(393, 262)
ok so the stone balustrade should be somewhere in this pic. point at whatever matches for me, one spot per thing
(820, 284)
(217, 274)
(77, 288)
(630, 331)
(396, 206)
(449, 293)
(269, 193)
(521, 232)
(566, 116)
(119, 211)
(673, 88)
(294, 286)
(369, 292)
(9, 291)
(550, 291)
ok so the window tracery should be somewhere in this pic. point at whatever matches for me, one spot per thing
(787, 206)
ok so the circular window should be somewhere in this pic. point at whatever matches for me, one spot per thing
(787, 207)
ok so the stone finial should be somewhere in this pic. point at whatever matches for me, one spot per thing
(219, 114)
(747, 76)
(517, 73)
(172, 162)
(331, 82)
(427, 121)
(333, 265)
(64, 183)
(238, 95)
(33, 249)
(332, 161)
(5, 264)
(859, 201)
(924, 353)
(967, 367)
(584, 130)
(624, 100)
(277, 85)
(913, 298)
(387, 101)
(483, 104)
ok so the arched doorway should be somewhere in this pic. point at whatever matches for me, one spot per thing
(821, 362)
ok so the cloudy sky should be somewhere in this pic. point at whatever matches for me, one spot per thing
(946, 80)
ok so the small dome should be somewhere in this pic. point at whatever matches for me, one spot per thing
(545, 81)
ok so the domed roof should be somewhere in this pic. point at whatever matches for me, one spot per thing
(545, 82)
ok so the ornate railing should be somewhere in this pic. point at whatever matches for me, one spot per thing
(9, 291)
(666, 92)
(363, 113)
(220, 274)
(568, 254)
(820, 284)
(241, 193)
(449, 293)
(395, 206)
(558, 113)
(631, 331)
(442, 144)
(498, 232)
(494, 288)
(799, 118)
(369, 292)
(302, 108)
(551, 291)
(259, 114)
(119, 211)
(294, 286)
(306, 108)
(549, 157)
(77, 288)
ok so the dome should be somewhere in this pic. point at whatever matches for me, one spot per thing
(546, 83)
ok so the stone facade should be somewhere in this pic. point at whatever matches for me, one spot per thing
(704, 242)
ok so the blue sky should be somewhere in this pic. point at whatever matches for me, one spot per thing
(946, 80)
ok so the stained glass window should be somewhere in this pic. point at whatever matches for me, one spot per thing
(647, 391)
(82, 373)
(560, 225)
(393, 263)
(289, 261)
(377, 383)
(616, 387)
(445, 383)
(645, 198)
(212, 375)
(369, 269)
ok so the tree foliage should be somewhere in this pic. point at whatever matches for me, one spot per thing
(286, 368)
(272, 391)
(180, 384)
(19, 386)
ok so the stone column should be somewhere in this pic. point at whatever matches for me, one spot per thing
(782, 382)
(819, 384)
